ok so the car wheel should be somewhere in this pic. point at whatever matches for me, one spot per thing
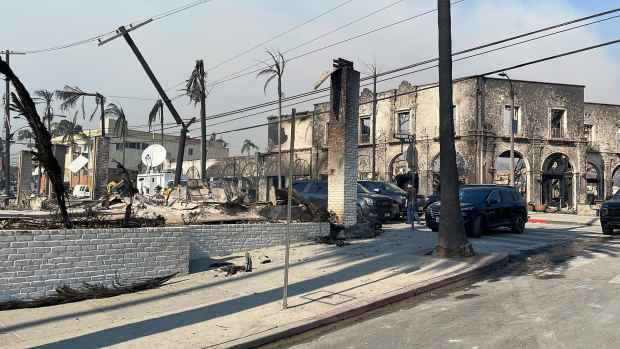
(607, 230)
(476, 227)
(518, 226)
(435, 228)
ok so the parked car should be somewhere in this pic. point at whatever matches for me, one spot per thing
(610, 214)
(388, 189)
(316, 192)
(485, 206)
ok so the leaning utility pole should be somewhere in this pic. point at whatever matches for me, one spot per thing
(7, 127)
(452, 240)
(184, 127)
(203, 120)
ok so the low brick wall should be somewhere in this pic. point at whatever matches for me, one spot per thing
(35, 263)
(218, 240)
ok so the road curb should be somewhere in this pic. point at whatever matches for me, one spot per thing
(495, 260)
(546, 221)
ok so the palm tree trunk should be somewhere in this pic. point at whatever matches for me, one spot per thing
(124, 145)
(47, 181)
(280, 132)
(452, 239)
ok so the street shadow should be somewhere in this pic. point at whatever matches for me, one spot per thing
(127, 332)
(325, 254)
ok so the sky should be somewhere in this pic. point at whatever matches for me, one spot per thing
(220, 29)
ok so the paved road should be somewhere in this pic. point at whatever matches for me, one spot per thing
(567, 297)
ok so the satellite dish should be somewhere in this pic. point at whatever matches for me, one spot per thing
(154, 155)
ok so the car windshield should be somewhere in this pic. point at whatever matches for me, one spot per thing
(382, 187)
(473, 195)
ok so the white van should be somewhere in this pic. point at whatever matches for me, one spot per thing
(81, 191)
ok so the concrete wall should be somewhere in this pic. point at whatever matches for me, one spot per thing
(35, 263)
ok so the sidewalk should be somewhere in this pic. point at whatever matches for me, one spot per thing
(207, 309)
(559, 218)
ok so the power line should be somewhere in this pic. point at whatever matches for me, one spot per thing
(513, 67)
(357, 20)
(277, 36)
(387, 26)
(94, 38)
(476, 48)
(311, 40)
(420, 70)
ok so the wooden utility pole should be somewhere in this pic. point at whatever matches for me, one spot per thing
(203, 120)
(452, 240)
(287, 242)
(183, 136)
(7, 126)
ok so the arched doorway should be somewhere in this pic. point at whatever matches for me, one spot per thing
(557, 181)
(436, 167)
(193, 173)
(502, 171)
(400, 173)
(615, 181)
(594, 183)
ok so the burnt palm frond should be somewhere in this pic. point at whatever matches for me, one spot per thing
(248, 146)
(17, 106)
(273, 70)
(70, 96)
(120, 125)
(193, 86)
(157, 107)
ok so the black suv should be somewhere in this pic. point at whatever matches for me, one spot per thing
(610, 214)
(485, 206)
(388, 189)
(316, 192)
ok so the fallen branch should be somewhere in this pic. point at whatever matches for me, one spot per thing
(66, 294)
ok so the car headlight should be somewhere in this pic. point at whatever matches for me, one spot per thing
(604, 211)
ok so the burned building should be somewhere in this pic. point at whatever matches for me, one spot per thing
(567, 151)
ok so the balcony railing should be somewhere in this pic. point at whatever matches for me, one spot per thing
(557, 133)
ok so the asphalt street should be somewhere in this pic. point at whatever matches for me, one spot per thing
(567, 296)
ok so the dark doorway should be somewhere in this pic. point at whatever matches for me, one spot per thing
(557, 182)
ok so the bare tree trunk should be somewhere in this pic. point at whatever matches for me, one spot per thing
(452, 238)
(43, 141)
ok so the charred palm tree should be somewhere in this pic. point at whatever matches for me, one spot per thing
(452, 240)
(157, 111)
(196, 90)
(22, 101)
(70, 96)
(248, 146)
(70, 131)
(120, 125)
(131, 191)
(276, 71)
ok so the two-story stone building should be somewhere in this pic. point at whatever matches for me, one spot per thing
(567, 151)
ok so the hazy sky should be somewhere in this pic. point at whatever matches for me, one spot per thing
(217, 30)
